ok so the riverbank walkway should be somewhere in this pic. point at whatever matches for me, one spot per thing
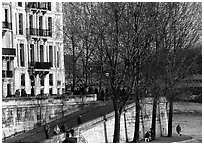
(88, 113)
(37, 135)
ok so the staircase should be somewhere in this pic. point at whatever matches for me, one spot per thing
(81, 139)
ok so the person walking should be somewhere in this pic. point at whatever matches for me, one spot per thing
(79, 120)
(46, 130)
(72, 132)
(64, 128)
(56, 130)
(178, 129)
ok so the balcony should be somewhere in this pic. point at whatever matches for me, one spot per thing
(6, 25)
(40, 65)
(39, 32)
(8, 51)
(39, 5)
(7, 74)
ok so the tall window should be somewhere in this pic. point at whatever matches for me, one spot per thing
(22, 63)
(40, 26)
(8, 65)
(8, 89)
(42, 81)
(51, 55)
(58, 58)
(41, 53)
(21, 24)
(50, 26)
(6, 15)
(51, 79)
(50, 91)
(32, 52)
(49, 6)
(31, 24)
(22, 79)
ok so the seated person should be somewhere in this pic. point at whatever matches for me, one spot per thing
(147, 136)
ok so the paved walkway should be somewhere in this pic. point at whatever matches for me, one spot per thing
(174, 139)
(88, 113)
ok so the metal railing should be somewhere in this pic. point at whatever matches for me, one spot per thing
(7, 74)
(7, 25)
(39, 32)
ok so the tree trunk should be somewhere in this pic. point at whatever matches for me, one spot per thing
(73, 65)
(154, 116)
(137, 120)
(170, 117)
(116, 138)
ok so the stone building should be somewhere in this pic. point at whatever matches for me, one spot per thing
(32, 48)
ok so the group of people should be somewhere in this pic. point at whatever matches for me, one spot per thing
(57, 130)
(64, 129)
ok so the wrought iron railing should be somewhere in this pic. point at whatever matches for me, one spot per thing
(39, 32)
(7, 25)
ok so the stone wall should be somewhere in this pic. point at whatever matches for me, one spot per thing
(101, 130)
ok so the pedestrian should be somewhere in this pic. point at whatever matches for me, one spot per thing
(66, 139)
(178, 129)
(46, 130)
(64, 128)
(72, 132)
(79, 120)
(147, 136)
(56, 130)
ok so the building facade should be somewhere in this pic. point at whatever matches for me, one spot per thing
(32, 48)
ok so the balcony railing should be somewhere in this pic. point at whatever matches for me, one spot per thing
(7, 74)
(40, 32)
(40, 65)
(39, 5)
(7, 25)
(8, 51)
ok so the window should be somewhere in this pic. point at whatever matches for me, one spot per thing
(8, 65)
(40, 26)
(58, 91)
(21, 24)
(41, 53)
(22, 63)
(51, 55)
(22, 79)
(8, 89)
(50, 91)
(32, 52)
(6, 15)
(58, 58)
(41, 91)
(31, 24)
(50, 26)
(49, 6)
(51, 79)
(42, 81)
(20, 4)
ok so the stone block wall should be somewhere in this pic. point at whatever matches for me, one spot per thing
(101, 130)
